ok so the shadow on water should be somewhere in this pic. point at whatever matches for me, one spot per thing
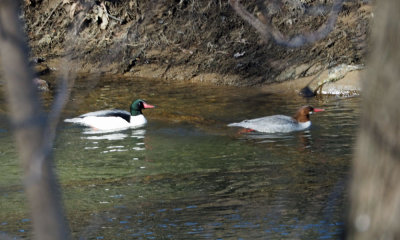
(186, 175)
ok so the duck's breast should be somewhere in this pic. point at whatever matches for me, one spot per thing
(137, 121)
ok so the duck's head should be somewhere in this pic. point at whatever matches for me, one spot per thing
(138, 105)
(303, 114)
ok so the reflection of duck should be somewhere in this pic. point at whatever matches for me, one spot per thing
(114, 119)
(280, 123)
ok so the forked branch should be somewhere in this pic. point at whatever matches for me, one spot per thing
(267, 31)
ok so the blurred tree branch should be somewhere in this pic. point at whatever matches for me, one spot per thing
(267, 31)
(33, 129)
(375, 192)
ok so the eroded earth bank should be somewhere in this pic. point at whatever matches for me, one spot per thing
(198, 40)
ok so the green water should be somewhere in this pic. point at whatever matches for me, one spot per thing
(188, 176)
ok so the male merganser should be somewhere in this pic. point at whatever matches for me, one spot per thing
(280, 123)
(114, 119)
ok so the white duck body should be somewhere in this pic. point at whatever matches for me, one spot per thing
(109, 119)
(114, 119)
(273, 124)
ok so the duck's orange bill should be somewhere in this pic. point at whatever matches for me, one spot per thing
(145, 105)
(318, 110)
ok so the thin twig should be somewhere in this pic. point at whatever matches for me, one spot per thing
(51, 14)
(115, 18)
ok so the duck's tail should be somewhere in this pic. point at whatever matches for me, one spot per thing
(234, 125)
(72, 120)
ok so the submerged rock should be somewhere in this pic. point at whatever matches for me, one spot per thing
(340, 80)
(347, 85)
(333, 81)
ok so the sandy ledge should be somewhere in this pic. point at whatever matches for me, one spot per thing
(348, 85)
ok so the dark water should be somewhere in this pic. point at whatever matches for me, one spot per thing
(188, 176)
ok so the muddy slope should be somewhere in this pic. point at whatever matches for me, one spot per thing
(198, 40)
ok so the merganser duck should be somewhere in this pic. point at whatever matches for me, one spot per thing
(114, 119)
(280, 123)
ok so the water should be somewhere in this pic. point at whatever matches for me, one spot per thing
(188, 176)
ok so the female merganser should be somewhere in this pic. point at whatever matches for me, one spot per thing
(114, 118)
(280, 123)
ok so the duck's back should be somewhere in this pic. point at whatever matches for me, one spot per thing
(271, 124)
(106, 119)
(109, 113)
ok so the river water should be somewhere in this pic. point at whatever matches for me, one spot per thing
(186, 175)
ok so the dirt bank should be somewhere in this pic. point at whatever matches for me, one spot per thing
(191, 40)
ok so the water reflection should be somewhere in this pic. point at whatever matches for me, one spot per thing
(222, 215)
(113, 136)
(300, 140)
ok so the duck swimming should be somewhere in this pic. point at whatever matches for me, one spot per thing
(280, 123)
(114, 119)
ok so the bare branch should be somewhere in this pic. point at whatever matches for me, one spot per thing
(47, 19)
(267, 31)
(63, 92)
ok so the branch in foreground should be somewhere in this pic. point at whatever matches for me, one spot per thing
(267, 31)
(30, 124)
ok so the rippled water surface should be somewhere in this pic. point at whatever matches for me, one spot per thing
(188, 176)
